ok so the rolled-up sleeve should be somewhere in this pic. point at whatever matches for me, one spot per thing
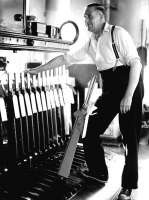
(126, 46)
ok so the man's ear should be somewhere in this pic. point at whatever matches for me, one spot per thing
(102, 16)
(101, 13)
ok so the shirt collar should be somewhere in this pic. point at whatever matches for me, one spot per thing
(106, 29)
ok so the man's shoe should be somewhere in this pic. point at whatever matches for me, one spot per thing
(125, 194)
(101, 178)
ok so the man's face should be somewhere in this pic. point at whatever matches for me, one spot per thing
(93, 19)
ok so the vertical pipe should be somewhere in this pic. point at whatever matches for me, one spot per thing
(107, 6)
(24, 16)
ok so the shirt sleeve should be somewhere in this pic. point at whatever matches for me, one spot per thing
(126, 46)
(77, 55)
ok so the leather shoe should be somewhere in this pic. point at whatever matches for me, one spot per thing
(125, 194)
(99, 177)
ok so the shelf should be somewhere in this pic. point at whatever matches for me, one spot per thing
(19, 41)
(4, 46)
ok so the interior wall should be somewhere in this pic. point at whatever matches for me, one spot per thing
(58, 11)
(62, 10)
(8, 8)
(36, 8)
(128, 14)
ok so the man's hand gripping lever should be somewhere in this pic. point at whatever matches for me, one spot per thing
(80, 113)
(53, 63)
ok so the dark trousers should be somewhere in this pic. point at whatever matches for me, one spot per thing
(114, 87)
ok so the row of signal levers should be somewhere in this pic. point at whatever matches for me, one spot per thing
(34, 130)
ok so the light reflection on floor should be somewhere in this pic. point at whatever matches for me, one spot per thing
(115, 170)
(143, 189)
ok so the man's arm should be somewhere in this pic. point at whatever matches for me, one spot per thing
(66, 59)
(135, 70)
(129, 52)
(54, 63)
(134, 75)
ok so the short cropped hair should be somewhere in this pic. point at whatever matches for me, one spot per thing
(97, 6)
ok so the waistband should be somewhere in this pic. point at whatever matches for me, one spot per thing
(116, 69)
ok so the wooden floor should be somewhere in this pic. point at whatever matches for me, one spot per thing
(115, 162)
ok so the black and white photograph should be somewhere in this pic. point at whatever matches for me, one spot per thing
(74, 99)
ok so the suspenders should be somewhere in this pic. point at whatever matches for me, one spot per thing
(114, 47)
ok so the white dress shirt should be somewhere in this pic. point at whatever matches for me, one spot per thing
(101, 50)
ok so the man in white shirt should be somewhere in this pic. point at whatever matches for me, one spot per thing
(120, 69)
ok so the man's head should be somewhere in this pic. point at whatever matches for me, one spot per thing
(94, 17)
